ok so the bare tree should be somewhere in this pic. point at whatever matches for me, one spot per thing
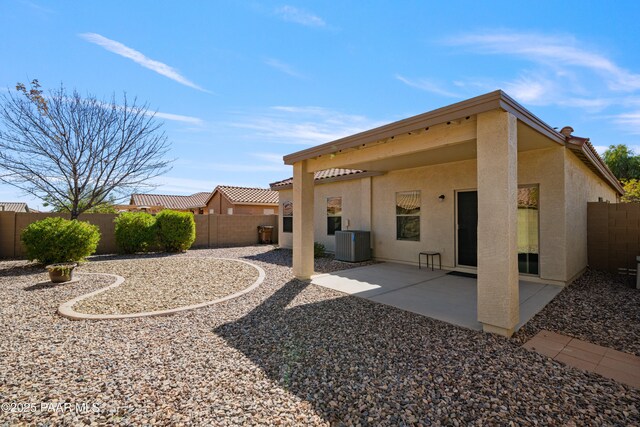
(78, 152)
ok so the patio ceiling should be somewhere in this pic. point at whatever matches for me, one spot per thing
(444, 143)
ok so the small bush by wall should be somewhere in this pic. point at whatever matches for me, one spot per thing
(135, 232)
(58, 240)
(176, 230)
(319, 250)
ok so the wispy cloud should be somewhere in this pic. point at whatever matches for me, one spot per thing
(428, 86)
(38, 8)
(306, 125)
(629, 121)
(180, 186)
(268, 162)
(285, 68)
(140, 59)
(178, 118)
(273, 158)
(299, 16)
(532, 88)
(558, 70)
(553, 51)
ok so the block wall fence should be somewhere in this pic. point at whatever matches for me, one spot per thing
(613, 235)
(211, 230)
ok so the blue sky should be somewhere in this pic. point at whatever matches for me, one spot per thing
(239, 84)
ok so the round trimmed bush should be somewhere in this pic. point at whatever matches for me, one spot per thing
(136, 232)
(176, 230)
(56, 240)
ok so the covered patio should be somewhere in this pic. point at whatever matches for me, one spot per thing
(449, 181)
(436, 294)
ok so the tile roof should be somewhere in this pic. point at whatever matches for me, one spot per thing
(14, 207)
(245, 195)
(319, 176)
(197, 200)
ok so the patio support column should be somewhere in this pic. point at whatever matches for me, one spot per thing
(302, 221)
(497, 148)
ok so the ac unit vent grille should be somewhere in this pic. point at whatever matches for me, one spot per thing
(353, 245)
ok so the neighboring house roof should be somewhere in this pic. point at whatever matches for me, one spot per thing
(327, 175)
(246, 195)
(14, 207)
(480, 104)
(197, 200)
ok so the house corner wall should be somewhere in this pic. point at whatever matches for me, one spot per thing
(545, 168)
(581, 186)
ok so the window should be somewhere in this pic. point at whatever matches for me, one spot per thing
(334, 215)
(268, 211)
(211, 211)
(287, 217)
(229, 211)
(408, 215)
(528, 229)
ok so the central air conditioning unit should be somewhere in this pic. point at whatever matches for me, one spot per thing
(353, 245)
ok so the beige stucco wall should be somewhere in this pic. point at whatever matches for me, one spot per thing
(564, 193)
(437, 219)
(582, 186)
(351, 209)
(356, 202)
(545, 168)
(285, 240)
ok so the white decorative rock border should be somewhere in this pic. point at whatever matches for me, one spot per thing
(66, 309)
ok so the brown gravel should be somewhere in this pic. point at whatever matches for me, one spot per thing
(599, 307)
(153, 284)
(288, 353)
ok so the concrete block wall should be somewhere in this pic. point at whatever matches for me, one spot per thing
(613, 235)
(211, 230)
(239, 230)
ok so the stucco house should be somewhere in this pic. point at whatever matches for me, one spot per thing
(154, 203)
(230, 200)
(15, 207)
(223, 200)
(484, 182)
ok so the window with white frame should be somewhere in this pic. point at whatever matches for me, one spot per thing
(334, 215)
(408, 215)
(287, 217)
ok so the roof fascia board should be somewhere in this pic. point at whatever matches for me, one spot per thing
(604, 172)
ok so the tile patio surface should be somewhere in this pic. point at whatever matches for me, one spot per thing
(434, 294)
(610, 363)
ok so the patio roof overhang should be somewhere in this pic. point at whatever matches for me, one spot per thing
(443, 135)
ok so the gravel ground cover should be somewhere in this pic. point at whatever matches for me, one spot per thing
(288, 353)
(599, 307)
(153, 284)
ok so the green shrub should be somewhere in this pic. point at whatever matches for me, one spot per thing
(176, 230)
(136, 232)
(318, 250)
(55, 240)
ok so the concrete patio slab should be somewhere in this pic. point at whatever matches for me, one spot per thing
(375, 279)
(434, 294)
